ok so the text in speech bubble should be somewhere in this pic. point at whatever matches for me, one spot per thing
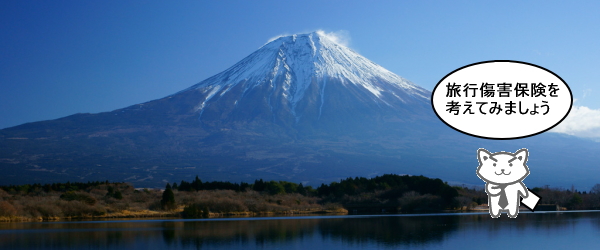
(502, 99)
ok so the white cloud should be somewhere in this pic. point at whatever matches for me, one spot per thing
(277, 36)
(340, 37)
(582, 122)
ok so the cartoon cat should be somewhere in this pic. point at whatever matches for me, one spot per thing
(503, 173)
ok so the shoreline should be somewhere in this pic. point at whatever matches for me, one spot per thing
(176, 216)
(149, 214)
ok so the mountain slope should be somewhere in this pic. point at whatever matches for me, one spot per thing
(288, 68)
(301, 108)
(298, 83)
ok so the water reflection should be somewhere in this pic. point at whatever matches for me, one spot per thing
(350, 231)
(390, 230)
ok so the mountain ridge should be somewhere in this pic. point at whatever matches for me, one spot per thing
(297, 118)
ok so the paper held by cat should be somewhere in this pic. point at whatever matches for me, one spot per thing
(531, 201)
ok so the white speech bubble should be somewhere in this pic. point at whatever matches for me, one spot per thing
(531, 99)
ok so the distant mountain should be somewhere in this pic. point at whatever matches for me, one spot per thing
(301, 108)
(302, 83)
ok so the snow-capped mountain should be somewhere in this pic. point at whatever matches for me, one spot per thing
(297, 103)
(288, 67)
(294, 86)
(301, 108)
(302, 81)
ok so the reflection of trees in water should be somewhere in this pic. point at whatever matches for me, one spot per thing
(390, 230)
(549, 222)
(258, 232)
(384, 230)
(596, 223)
(195, 234)
(73, 235)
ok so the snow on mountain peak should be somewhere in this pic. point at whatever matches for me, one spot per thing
(296, 61)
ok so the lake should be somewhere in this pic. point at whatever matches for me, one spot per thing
(538, 230)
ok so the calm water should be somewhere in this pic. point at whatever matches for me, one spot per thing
(574, 230)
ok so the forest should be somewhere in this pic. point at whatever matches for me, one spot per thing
(388, 193)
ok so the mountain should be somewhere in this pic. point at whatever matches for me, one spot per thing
(300, 83)
(301, 108)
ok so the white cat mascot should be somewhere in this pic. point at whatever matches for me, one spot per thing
(503, 173)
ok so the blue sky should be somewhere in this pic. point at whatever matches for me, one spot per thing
(58, 58)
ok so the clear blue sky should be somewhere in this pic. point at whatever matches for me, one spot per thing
(58, 58)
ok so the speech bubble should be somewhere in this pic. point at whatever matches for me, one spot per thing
(502, 99)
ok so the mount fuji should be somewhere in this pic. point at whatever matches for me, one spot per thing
(303, 82)
(301, 108)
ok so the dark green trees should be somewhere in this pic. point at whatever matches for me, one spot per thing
(195, 211)
(198, 185)
(392, 187)
(115, 194)
(168, 199)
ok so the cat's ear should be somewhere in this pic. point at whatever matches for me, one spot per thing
(483, 155)
(522, 155)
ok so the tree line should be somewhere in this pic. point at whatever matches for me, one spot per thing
(271, 187)
(197, 198)
(381, 193)
(390, 190)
